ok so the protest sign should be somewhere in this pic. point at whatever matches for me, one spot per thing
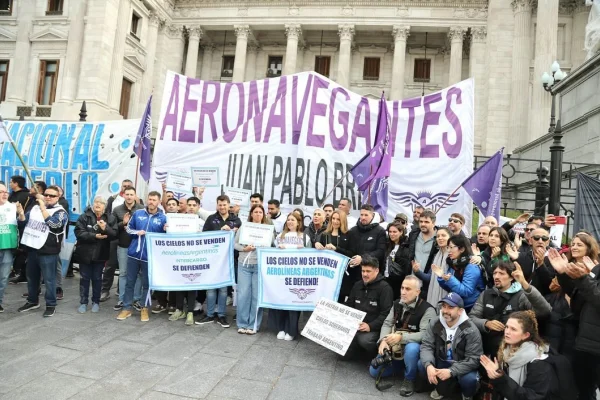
(179, 182)
(192, 261)
(292, 137)
(258, 235)
(556, 233)
(205, 176)
(333, 325)
(182, 223)
(296, 279)
(85, 159)
(241, 197)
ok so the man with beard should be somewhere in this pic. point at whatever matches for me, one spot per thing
(275, 214)
(422, 241)
(417, 218)
(329, 209)
(450, 351)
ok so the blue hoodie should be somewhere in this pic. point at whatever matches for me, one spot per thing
(142, 220)
(469, 288)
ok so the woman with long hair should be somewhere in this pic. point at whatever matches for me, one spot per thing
(463, 277)
(249, 318)
(434, 292)
(397, 257)
(499, 249)
(519, 372)
(285, 322)
(335, 238)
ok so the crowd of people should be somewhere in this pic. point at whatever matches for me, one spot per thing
(500, 315)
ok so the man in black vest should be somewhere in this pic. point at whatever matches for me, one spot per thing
(374, 296)
(402, 331)
(511, 292)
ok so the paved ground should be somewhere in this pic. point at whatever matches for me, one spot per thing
(94, 356)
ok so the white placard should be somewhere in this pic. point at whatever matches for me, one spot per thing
(556, 233)
(205, 176)
(258, 235)
(241, 197)
(243, 215)
(182, 223)
(179, 182)
(333, 325)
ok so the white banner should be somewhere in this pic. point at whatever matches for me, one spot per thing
(290, 138)
(333, 325)
(296, 279)
(192, 261)
(85, 159)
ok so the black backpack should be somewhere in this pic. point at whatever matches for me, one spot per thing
(565, 387)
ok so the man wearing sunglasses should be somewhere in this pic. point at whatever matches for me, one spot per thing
(456, 223)
(533, 259)
(44, 232)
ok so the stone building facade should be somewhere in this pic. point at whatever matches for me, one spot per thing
(114, 53)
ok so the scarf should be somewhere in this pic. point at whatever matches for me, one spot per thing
(435, 292)
(517, 364)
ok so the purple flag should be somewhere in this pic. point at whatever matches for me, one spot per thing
(142, 141)
(361, 172)
(485, 185)
(381, 159)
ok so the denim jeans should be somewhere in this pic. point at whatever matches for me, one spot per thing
(211, 300)
(137, 291)
(46, 264)
(59, 272)
(134, 268)
(411, 364)
(91, 272)
(247, 298)
(6, 260)
(467, 383)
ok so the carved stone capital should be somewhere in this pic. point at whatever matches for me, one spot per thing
(457, 33)
(209, 48)
(293, 31)
(174, 31)
(400, 32)
(479, 33)
(346, 32)
(522, 6)
(242, 31)
(195, 32)
(154, 19)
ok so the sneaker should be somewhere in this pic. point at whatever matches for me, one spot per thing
(82, 309)
(28, 306)
(407, 388)
(95, 307)
(229, 301)
(171, 310)
(205, 320)
(157, 309)
(178, 314)
(145, 317)
(137, 306)
(190, 319)
(124, 314)
(17, 279)
(435, 395)
(118, 306)
(59, 294)
(242, 331)
(197, 306)
(288, 338)
(250, 332)
(281, 335)
(104, 296)
(223, 322)
(49, 311)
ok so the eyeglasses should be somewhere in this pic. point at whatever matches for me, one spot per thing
(538, 237)
(529, 229)
(456, 221)
(399, 219)
(52, 196)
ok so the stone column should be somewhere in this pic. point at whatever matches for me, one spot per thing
(174, 49)
(478, 70)
(160, 72)
(580, 18)
(293, 33)
(400, 34)
(18, 71)
(456, 36)
(239, 66)
(116, 71)
(191, 61)
(251, 63)
(147, 87)
(519, 84)
(346, 33)
(545, 55)
(207, 58)
(300, 60)
(74, 47)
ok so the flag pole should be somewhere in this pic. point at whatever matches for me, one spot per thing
(334, 186)
(14, 146)
(448, 198)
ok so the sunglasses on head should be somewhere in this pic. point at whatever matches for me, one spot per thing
(538, 237)
(456, 221)
(52, 196)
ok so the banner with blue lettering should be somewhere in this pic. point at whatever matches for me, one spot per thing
(85, 159)
(293, 137)
(296, 279)
(190, 261)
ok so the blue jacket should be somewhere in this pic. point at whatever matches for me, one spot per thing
(141, 220)
(469, 288)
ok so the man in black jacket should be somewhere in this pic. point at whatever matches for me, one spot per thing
(374, 296)
(19, 192)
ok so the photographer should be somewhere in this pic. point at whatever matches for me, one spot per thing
(400, 336)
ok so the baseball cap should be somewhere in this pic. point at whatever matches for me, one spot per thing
(453, 300)
(401, 216)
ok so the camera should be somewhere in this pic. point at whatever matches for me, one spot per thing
(384, 359)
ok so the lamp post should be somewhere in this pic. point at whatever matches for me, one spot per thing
(557, 149)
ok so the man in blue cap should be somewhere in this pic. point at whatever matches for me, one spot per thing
(450, 351)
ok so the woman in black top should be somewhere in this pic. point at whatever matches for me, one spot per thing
(397, 257)
(335, 238)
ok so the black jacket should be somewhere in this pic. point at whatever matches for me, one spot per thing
(535, 387)
(560, 328)
(375, 298)
(119, 213)
(89, 248)
(215, 222)
(314, 234)
(401, 260)
(367, 240)
(20, 196)
(340, 242)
